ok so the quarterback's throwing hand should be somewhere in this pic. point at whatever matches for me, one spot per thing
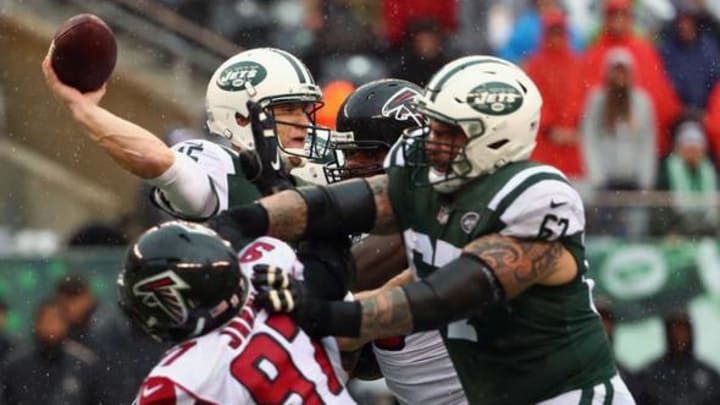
(72, 97)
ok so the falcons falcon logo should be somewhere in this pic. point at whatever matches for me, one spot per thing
(163, 291)
(398, 106)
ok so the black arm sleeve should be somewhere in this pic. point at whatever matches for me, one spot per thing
(329, 267)
(462, 288)
(240, 225)
(339, 209)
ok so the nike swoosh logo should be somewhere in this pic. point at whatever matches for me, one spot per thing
(276, 163)
(554, 204)
(148, 391)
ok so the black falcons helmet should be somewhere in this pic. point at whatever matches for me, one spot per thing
(180, 280)
(372, 118)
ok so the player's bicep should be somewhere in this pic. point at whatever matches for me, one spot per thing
(519, 264)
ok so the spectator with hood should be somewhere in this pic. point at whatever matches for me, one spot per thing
(650, 73)
(555, 70)
(399, 15)
(618, 143)
(678, 377)
(690, 177)
(692, 59)
(618, 129)
(525, 38)
(51, 370)
(78, 303)
(423, 53)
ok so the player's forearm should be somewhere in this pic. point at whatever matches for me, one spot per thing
(377, 258)
(134, 148)
(287, 214)
(386, 314)
(337, 210)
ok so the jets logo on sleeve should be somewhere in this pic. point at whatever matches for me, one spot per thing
(163, 291)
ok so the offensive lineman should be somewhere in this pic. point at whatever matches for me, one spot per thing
(417, 368)
(496, 239)
(182, 283)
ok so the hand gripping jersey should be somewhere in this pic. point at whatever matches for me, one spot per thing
(548, 340)
(220, 164)
(255, 358)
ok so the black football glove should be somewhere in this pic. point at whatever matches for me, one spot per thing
(280, 292)
(264, 166)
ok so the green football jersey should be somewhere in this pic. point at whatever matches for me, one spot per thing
(546, 341)
(222, 166)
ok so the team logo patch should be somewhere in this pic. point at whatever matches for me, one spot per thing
(163, 291)
(469, 221)
(495, 98)
(398, 106)
(235, 77)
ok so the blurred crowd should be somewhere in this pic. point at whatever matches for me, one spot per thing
(631, 102)
(78, 353)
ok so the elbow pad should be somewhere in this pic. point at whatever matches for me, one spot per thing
(339, 209)
(462, 288)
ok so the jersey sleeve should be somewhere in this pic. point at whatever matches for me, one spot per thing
(543, 206)
(268, 250)
(212, 161)
(163, 391)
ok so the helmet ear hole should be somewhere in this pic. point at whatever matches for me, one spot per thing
(242, 121)
(498, 144)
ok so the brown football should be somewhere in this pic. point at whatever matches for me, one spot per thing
(84, 52)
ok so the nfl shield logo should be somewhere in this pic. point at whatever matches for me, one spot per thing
(469, 221)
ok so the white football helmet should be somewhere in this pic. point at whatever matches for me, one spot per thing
(267, 76)
(498, 108)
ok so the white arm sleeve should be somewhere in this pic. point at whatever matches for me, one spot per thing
(187, 188)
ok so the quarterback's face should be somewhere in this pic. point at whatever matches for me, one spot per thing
(292, 126)
(444, 144)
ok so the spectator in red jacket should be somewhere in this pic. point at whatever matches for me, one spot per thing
(555, 70)
(711, 120)
(398, 14)
(650, 72)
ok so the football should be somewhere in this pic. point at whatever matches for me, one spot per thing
(83, 52)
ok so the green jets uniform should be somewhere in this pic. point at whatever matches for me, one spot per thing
(227, 179)
(548, 340)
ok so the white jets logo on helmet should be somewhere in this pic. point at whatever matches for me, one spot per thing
(495, 98)
(237, 76)
(398, 106)
(163, 291)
